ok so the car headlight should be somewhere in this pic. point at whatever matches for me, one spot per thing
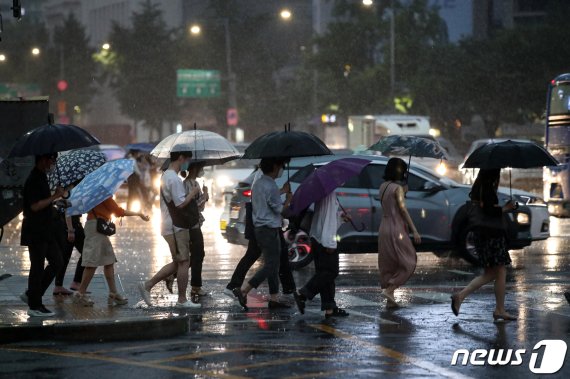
(224, 181)
(523, 218)
(441, 168)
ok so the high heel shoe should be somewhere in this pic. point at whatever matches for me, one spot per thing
(454, 305)
(82, 300)
(503, 316)
(116, 299)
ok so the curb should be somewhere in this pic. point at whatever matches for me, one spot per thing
(89, 331)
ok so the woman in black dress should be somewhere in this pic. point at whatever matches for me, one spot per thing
(490, 244)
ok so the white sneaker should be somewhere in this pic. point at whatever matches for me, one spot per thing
(144, 293)
(230, 293)
(40, 312)
(188, 304)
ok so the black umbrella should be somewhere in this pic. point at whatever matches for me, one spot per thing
(513, 154)
(52, 138)
(286, 144)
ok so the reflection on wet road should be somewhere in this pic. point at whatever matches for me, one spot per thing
(417, 340)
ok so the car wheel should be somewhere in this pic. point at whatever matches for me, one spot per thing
(299, 250)
(466, 246)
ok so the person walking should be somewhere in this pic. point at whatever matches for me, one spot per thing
(98, 251)
(324, 227)
(38, 234)
(253, 253)
(178, 238)
(197, 254)
(267, 219)
(76, 238)
(490, 244)
(396, 253)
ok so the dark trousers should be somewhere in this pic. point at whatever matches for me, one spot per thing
(40, 278)
(66, 248)
(326, 271)
(196, 256)
(270, 245)
(252, 254)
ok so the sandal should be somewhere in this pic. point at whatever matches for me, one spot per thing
(82, 300)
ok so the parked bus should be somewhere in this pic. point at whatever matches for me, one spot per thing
(556, 179)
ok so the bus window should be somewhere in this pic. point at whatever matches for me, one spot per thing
(560, 100)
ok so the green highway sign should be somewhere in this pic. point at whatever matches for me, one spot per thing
(198, 83)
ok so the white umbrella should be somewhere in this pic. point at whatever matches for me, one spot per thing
(208, 147)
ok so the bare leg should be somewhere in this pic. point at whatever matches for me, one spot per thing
(109, 271)
(182, 278)
(500, 284)
(489, 274)
(86, 279)
(163, 273)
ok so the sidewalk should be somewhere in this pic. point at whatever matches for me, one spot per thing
(98, 323)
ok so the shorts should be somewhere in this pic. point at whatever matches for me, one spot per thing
(179, 244)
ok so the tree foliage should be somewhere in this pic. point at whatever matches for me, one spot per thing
(143, 71)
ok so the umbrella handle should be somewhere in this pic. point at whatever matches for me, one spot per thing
(362, 226)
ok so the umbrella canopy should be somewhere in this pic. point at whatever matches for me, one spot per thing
(286, 144)
(324, 180)
(145, 147)
(208, 147)
(99, 185)
(52, 138)
(514, 154)
(74, 165)
(410, 145)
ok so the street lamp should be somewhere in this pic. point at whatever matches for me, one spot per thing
(367, 3)
(35, 51)
(285, 14)
(2, 58)
(195, 29)
(106, 46)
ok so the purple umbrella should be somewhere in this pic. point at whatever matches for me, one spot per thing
(324, 180)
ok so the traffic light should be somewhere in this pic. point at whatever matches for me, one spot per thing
(328, 119)
(17, 9)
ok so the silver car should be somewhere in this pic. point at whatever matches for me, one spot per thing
(437, 206)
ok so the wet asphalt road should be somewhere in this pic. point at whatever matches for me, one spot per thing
(417, 340)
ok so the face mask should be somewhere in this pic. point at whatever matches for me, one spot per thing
(184, 166)
(200, 173)
(280, 173)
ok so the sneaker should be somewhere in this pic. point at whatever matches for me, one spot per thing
(277, 305)
(241, 298)
(229, 292)
(82, 300)
(144, 293)
(40, 312)
(300, 301)
(24, 297)
(188, 304)
(337, 312)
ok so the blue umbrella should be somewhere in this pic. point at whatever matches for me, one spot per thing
(99, 186)
(145, 147)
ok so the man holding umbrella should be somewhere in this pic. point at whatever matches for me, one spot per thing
(39, 235)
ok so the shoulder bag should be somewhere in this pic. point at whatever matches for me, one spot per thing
(185, 217)
(105, 227)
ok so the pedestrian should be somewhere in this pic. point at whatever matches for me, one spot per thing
(267, 220)
(178, 238)
(98, 251)
(490, 244)
(253, 253)
(396, 253)
(196, 170)
(70, 234)
(324, 227)
(38, 234)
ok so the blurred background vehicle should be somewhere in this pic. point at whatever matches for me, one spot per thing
(525, 179)
(431, 197)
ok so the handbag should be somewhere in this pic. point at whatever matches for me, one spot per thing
(486, 222)
(185, 217)
(105, 227)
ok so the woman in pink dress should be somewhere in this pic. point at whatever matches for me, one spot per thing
(396, 253)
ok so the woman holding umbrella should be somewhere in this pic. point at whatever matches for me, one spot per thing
(396, 253)
(490, 244)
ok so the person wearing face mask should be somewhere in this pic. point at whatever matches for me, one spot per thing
(267, 220)
(173, 195)
(38, 234)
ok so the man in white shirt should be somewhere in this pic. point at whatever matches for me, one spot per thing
(324, 228)
(178, 238)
